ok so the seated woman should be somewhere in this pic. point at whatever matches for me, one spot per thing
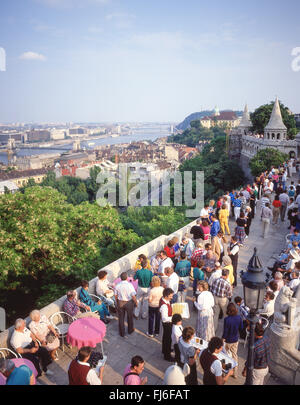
(45, 333)
(99, 306)
(104, 289)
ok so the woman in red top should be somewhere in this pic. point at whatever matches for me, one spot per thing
(169, 249)
(276, 209)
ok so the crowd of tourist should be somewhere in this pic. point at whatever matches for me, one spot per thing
(205, 259)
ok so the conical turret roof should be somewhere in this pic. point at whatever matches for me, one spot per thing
(276, 118)
(245, 121)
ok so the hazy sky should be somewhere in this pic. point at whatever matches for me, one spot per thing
(144, 60)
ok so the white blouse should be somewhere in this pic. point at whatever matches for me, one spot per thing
(205, 301)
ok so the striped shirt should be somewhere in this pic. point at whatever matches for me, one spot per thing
(261, 353)
(221, 288)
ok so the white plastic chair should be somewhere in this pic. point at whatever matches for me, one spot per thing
(5, 349)
(63, 324)
(287, 238)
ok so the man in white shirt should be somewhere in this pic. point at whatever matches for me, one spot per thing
(24, 342)
(165, 262)
(125, 296)
(217, 273)
(213, 370)
(172, 282)
(284, 199)
(204, 213)
(80, 371)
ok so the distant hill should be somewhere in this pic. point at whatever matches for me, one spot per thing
(197, 116)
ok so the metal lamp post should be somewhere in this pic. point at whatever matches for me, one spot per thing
(254, 292)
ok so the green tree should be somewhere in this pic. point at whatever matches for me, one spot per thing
(48, 245)
(265, 159)
(31, 183)
(261, 116)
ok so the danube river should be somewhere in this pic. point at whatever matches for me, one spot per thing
(140, 134)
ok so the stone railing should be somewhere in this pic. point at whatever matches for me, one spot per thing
(114, 269)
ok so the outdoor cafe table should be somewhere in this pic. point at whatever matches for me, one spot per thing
(86, 332)
(20, 362)
(201, 344)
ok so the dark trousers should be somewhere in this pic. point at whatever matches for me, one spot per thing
(40, 358)
(191, 379)
(177, 355)
(123, 308)
(167, 339)
(234, 261)
(153, 320)
(243, 333)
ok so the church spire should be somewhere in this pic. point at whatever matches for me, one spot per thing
(276, 118)
(245, 121)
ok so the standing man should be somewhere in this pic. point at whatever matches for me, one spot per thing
(165, 262)
(172, 283)
(144, 277)
(284, 199)
(233, 253)
(218, 246)
(266, 216)
(237, 204)
(261, 356)
(165, 309)
(183, 270)
(125, 296)
(222, 292)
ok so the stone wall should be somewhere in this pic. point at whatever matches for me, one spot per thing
(113, 269)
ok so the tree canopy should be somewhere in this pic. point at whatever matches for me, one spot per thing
(261, 116)
(265, 159)
(220, 173)
(196, 133)
(47, 244)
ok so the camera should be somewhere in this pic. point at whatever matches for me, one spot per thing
(225, 366)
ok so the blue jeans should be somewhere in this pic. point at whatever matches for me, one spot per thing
(154, 320)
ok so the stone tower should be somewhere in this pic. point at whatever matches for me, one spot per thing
(275, 130)
(245, 124)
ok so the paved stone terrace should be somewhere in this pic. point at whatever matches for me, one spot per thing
(120, 350)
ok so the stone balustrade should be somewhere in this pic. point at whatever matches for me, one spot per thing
(113, 269)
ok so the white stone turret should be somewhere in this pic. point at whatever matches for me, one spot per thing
(245, 124)
(275, 130)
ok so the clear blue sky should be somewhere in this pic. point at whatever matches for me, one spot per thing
(142, 60)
